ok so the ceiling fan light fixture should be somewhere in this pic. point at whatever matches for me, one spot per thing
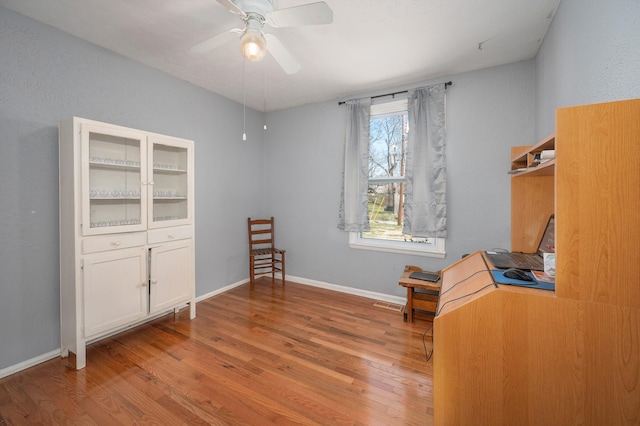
(252, 42)
(253, 45)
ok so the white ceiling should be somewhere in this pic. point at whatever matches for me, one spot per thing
(372, 45)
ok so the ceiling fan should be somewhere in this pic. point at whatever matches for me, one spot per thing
(253, 40)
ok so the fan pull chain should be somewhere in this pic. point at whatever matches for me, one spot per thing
(244, 101)
(265, 94)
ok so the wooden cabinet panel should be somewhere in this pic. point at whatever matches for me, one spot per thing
(598, 203)
(167, 235)
(113, 241)
(171, 275)
(115, 290)
(532, 204)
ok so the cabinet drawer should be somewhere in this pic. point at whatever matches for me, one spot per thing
(170, 234)
(113, 242)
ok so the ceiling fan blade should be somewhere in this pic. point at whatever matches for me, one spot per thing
(216, 41)
(282, 55)
(229, 4)
(317, 13)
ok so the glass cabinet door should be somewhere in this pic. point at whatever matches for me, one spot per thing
(170, 191)
(113, 196)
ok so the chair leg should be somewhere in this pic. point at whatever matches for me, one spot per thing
(273, 267)
(252, 276)
(282, 267)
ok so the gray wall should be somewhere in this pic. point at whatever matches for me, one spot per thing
(488, 111)
(47, 76)
(591, 54)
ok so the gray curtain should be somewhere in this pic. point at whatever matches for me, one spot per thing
(425, 202)
(353, 216)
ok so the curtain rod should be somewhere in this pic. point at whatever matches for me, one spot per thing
(448, 83)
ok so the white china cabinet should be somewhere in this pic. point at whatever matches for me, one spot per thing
(126, 230)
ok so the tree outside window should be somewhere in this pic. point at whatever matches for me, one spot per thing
(387, 150)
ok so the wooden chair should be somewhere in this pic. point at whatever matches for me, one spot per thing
(264, 257)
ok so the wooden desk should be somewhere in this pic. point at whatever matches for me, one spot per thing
(508, 355)
(424, 301)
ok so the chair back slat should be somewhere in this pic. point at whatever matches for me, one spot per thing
(261, 233)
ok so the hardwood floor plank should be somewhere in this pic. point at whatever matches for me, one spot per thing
(276, 354)
(23, 398)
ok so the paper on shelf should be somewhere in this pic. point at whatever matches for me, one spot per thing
(547, 154)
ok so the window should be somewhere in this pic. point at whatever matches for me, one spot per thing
(388, 130)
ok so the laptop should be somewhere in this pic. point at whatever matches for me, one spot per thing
(527, 261)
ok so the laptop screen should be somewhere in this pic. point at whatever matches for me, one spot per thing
(548, 241)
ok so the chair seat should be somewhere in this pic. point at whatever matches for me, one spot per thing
(265, 251)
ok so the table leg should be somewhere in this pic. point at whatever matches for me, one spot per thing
(410, 304)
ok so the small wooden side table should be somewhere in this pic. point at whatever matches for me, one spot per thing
(425, 300)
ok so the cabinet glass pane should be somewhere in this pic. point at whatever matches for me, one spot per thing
(114, 181)
(170, 189)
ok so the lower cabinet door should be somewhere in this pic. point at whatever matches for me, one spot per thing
(172, 275)
(115, 289)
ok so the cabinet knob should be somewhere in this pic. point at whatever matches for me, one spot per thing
(154, 281)
(143, 284)
(171, 235)
(116, 243)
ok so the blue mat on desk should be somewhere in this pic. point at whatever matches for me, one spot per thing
(543, 285)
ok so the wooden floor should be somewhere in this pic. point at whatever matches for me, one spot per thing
(275, 355)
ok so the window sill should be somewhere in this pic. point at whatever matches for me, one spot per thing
(436, 250)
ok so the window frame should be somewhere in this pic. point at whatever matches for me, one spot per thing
(436, 247)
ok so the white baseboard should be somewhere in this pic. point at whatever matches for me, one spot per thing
(321, 284)
(221, 290)
(12, 369)
(313, 283)
(350, 290)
